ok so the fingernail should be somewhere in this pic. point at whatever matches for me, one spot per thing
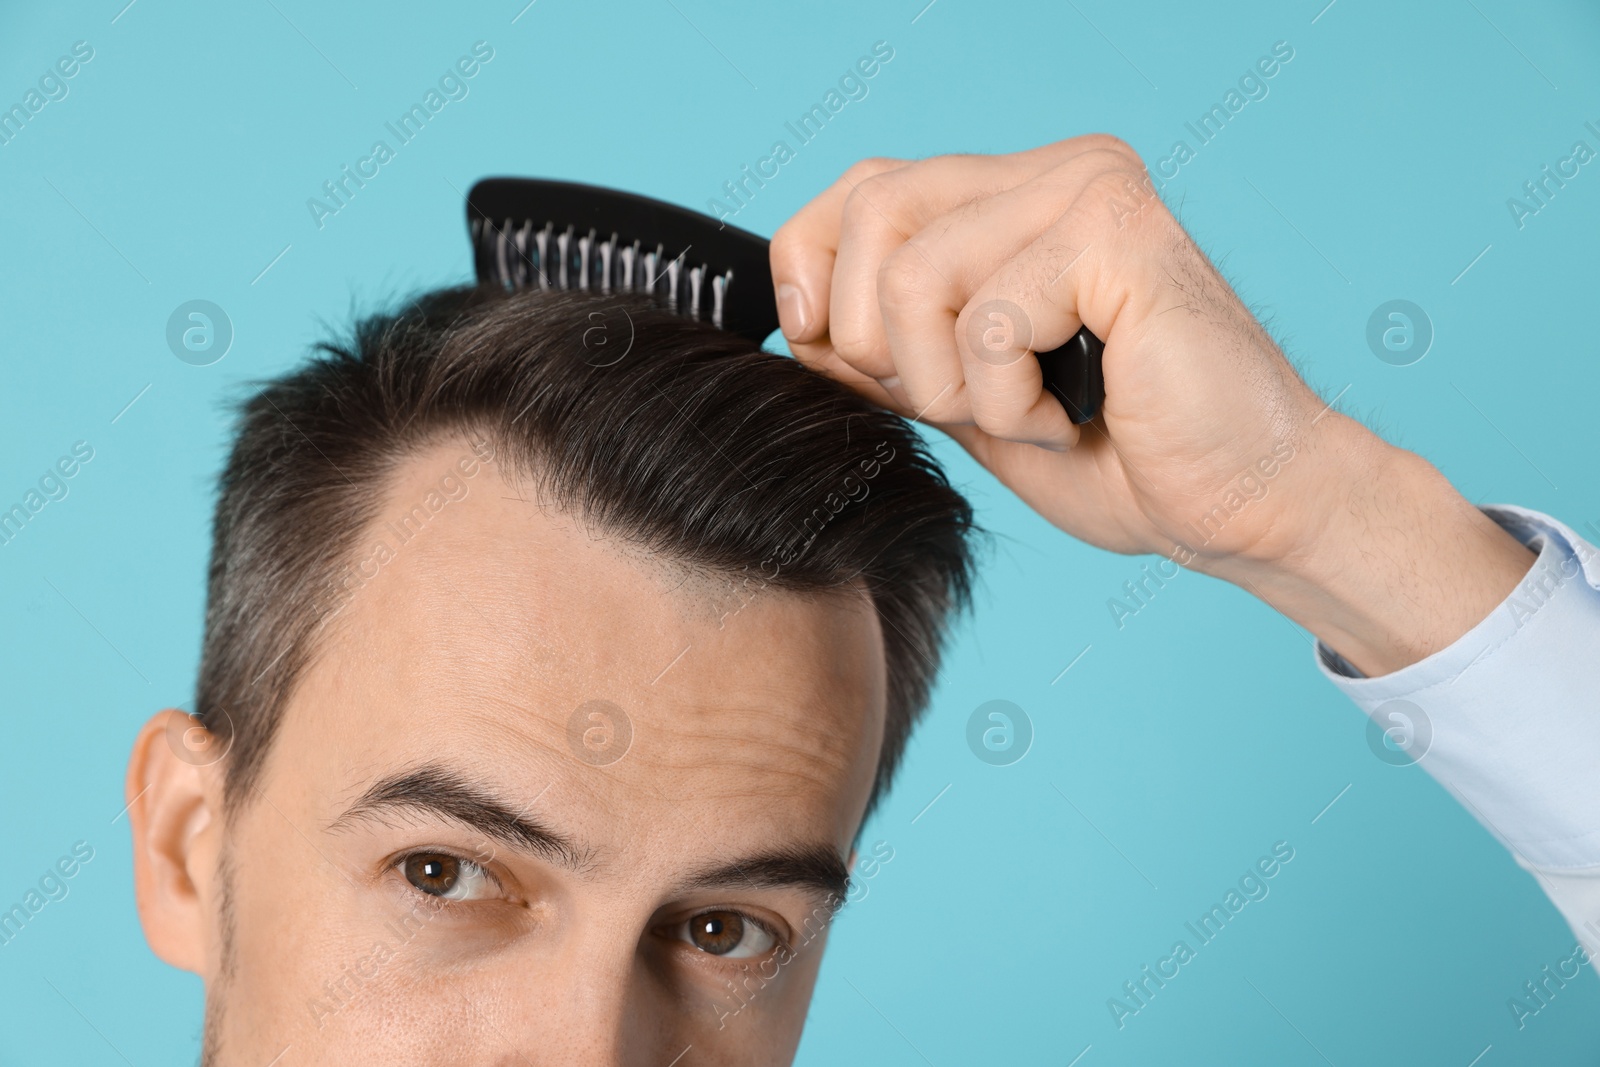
(792, 316)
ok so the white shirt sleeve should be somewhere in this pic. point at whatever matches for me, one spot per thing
(1508, 717)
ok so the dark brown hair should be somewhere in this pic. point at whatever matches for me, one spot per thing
(668, 434)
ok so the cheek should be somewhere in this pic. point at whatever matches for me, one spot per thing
(308, 972)
(773, 1019)
(288, 927)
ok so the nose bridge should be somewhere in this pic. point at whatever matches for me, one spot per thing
(591, 1001)
(604, 1005)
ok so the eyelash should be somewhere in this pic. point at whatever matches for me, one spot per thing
(397, 865)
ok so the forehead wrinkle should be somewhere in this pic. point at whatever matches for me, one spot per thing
(747, 767)
(505, 671)
(772, 752)
(690, 747)
(768, 788)
(524, 742)
(498, 701)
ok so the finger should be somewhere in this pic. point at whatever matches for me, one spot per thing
(802, 255)
(821, 357)
(1092, 267)
(804, 249)
(1011, 315)
(960, 339)
(825, 362)
(1086, 483)
(1005, 382)
(885, 210)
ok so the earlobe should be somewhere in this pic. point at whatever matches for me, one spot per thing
(174, 809)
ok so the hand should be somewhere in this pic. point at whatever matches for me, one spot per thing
(926, 285)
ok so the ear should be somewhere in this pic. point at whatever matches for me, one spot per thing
(174, 793)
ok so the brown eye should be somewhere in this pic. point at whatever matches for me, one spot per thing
(439, 874)
(727, 933)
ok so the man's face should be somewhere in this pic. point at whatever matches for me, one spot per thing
(459, 855)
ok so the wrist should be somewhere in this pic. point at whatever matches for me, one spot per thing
(1377, 554)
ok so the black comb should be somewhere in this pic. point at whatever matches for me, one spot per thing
(534, 233)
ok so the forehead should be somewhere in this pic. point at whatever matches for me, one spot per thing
(484, 629)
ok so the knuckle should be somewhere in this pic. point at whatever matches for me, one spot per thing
(856, 208)
(855, 347)
(893, 199)
(1108, 183)
(1094, 212)
(871, 199)
(905, 278)
(857, 338)
(870, 167)
(948, 407)
(1111, 201)
(1116, 168)
(995, 422)
(997, 329)
(1113, 145)
(786, 244)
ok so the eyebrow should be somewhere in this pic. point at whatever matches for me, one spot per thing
(444, 793)
(817, 869)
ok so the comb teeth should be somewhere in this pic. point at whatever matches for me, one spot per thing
(522, 257)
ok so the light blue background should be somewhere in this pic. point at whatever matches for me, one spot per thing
(1378, 167)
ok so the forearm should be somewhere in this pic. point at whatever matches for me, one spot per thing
(1392, 563)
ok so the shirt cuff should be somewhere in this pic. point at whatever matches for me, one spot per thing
(1508, 717)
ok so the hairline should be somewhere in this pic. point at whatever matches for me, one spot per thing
(385, 489)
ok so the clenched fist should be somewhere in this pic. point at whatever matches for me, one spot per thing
(928, 285)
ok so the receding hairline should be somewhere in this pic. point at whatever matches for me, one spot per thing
(649, 445)
(428, 460)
